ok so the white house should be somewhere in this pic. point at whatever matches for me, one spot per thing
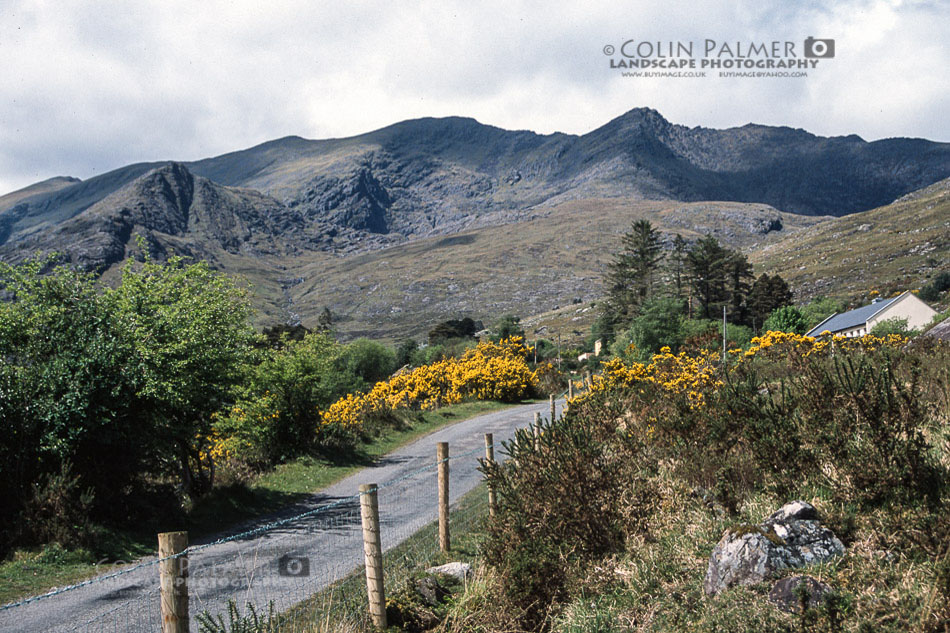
(860, 321)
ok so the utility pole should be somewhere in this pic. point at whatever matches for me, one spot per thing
(723, 335)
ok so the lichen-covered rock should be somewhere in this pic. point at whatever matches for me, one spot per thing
(459, 571)
(792, 537)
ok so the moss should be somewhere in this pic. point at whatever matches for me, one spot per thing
(742, 529)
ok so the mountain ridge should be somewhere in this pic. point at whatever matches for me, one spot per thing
(290, 210)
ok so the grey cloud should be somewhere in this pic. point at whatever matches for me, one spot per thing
(89, 88)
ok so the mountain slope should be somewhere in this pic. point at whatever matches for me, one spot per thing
(50, 185)
(893, 248)
(440, 176)
(556, 258)
(174, 211)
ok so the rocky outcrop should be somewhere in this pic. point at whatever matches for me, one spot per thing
(792, 537)
(940, 331)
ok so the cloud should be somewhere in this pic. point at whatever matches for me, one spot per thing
(89, 87)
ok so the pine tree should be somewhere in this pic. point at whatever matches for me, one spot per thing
(707, 265)
(631, 273)
(678, 265)
(739, 272)
(768, 293)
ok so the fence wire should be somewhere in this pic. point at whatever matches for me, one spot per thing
(308, 567)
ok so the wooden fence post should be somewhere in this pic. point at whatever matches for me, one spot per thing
(173, 581)
(490, 459)
(373, 555)
(442, 455)
(553, 408)
(570, 388)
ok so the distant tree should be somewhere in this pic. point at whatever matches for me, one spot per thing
(820, 309)
(454, 328)
(677, 261)
(785, 319)
(325, 320)
(659, 324)
(404, 352)
(708, 266)
(371, 361)
(933, 290)
(768, 293)
(546, 349)
(719, 276)
(507, 326)
(631, 274)
(277, 335)
(739, 276)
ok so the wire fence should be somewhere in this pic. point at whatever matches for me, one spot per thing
(307, 568)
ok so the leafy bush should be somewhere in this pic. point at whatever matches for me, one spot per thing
(116, 384)
(659, 324)
(278, 417)
(370, 361)
(786, 319)
(895, 325)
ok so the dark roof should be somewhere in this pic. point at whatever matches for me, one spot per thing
(852, 318)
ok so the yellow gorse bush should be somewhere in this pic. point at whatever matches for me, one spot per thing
(694, 375)
(786, 344)
(683, 373)
(489, 371)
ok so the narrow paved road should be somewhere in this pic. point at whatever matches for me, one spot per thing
(294, 559)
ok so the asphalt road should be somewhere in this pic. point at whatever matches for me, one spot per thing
(291, 560)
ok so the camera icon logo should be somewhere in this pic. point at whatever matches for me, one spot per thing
(819, 48)
(293, 566)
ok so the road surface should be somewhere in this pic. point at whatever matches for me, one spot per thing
(294, 559)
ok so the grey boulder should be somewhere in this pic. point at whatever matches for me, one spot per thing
(792, 537)
(460, 571)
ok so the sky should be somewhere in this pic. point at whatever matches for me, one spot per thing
(86, 87)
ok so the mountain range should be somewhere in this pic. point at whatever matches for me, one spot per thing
(313, 223)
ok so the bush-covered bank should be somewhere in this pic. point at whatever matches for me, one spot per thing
(127, 403)
(607, 523)
(29, 571)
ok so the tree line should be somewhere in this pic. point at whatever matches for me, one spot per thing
(653, 292)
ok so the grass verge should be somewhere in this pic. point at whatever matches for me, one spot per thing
(34, 571)
(343, 606)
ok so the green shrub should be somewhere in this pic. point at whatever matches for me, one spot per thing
(895, 325)
(370, 361)
(659, 324)
(819, 310)
(786, 319)
(252, 621)
(559, 504)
